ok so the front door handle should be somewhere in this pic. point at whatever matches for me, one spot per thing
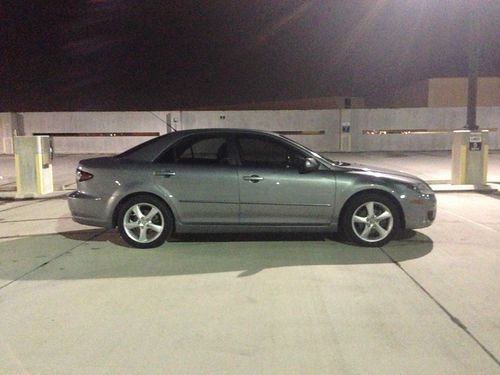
(253, 178)
(165, 174)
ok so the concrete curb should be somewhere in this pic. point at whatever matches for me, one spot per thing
(449, 188)
(13, 195)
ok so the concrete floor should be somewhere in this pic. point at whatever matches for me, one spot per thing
(76, 300)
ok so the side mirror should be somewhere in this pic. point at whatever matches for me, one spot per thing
(310, 164)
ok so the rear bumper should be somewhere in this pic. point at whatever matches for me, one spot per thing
(90, 210)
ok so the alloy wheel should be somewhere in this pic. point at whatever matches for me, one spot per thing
(372, 221)
(143, 223)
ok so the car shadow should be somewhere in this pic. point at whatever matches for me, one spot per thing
(113, 237)
(97, 254)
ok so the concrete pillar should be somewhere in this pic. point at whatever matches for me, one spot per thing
(469, 157)
(33, 166)
(173, 121)
(345, 129)
(11, 124)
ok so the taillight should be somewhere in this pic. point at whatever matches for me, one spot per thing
(83, 176)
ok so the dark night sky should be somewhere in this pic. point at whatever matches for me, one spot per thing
(144, 55)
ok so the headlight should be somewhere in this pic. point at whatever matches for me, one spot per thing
(422, 188)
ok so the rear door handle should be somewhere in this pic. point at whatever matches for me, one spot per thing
(165, 174)
(253, 178)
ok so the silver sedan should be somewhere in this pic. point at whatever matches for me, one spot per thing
(231, 180)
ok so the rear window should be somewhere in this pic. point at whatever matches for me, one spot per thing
(134, 149)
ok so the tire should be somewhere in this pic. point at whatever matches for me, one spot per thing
(144, 221)
(371, 220)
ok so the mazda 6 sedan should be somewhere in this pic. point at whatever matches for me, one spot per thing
(233, 180)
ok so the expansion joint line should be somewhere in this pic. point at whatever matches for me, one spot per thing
(31, 203)
(452, 317)
(51, 260)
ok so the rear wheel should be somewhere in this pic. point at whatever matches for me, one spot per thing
(144, 221)
(371, 220)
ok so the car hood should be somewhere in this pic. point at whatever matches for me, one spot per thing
(379, 172)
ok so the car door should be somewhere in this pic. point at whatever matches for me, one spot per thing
(272, 189)
(201, 179)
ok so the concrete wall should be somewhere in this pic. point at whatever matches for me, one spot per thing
(328, 102)
(441, 93)
(362, 119)
(416, 118)
(311, 120)
(74, 122)
(300, 120)
(5, 133)
(489, 117)
(413, 96)
(452, 92)
(10, 124)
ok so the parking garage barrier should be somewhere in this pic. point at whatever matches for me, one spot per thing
(414, 131)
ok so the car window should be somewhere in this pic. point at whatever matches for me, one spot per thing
(267, 153)
(198, 150)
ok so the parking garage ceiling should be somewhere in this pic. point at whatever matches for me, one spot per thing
(125, 55)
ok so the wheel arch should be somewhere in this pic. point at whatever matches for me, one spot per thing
(126, 198)
(384, 193)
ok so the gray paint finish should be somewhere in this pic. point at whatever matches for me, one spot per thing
(239, 197)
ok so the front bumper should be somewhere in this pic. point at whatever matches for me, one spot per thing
(420, 211)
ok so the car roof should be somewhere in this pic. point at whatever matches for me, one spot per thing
(221, 130)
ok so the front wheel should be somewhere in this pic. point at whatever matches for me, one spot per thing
(144, 221)
(371, 220)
